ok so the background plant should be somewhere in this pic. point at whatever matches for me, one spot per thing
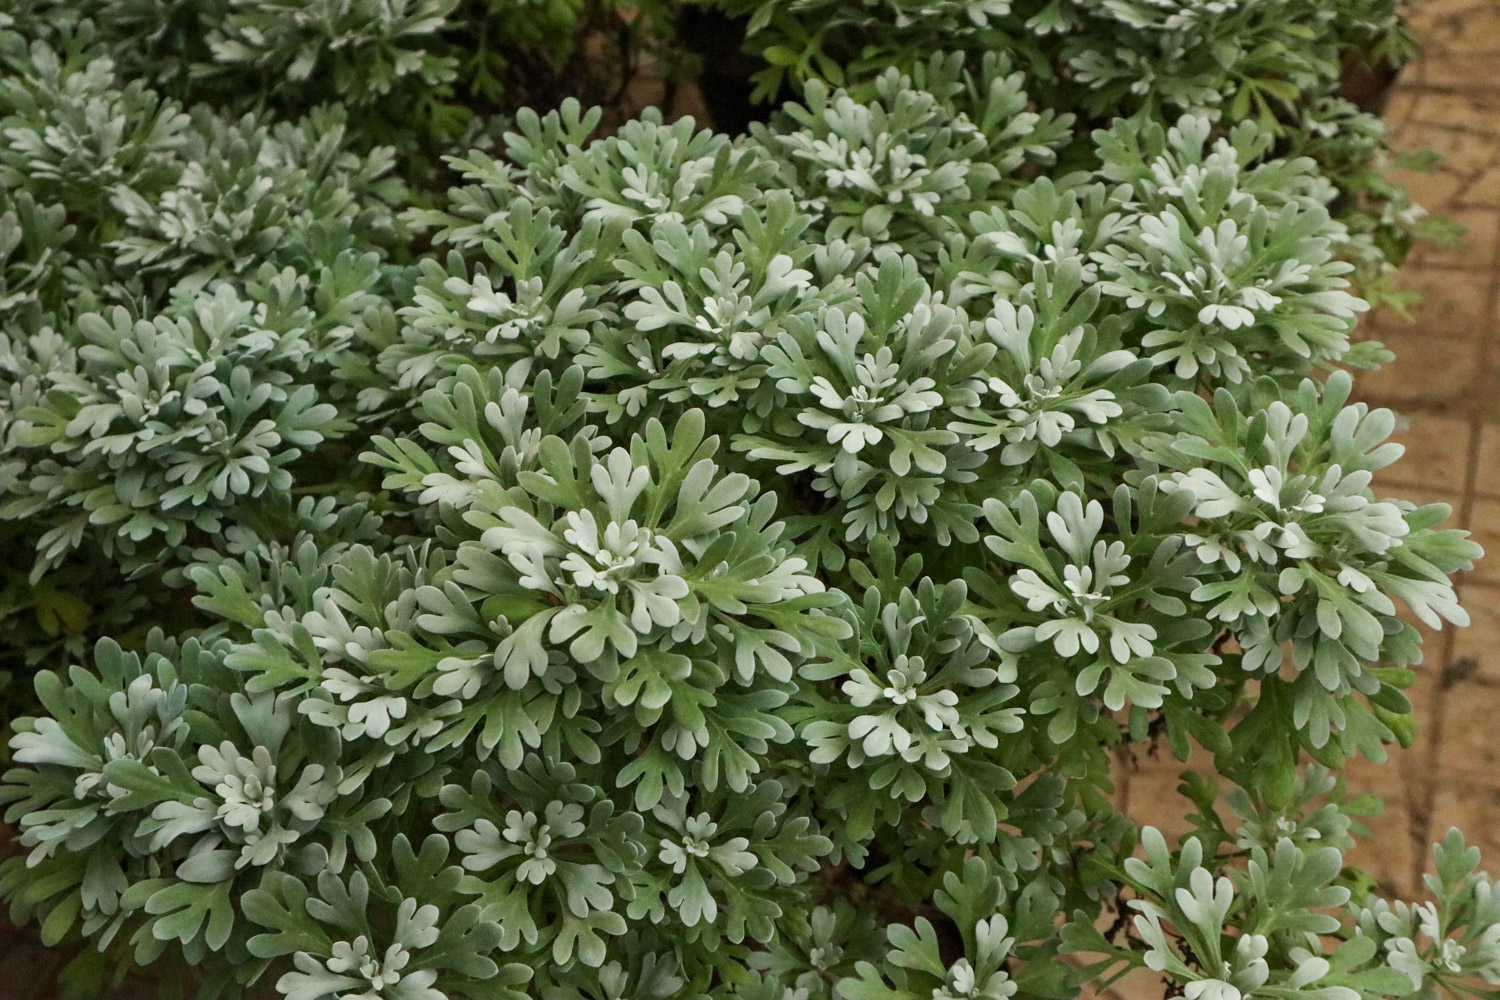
(1297, 69)
(420, 75)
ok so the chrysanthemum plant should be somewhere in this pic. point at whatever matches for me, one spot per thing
(719, 567)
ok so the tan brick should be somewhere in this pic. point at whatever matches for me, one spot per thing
(1414, 378)
(1483, 191)
(1142, 984)
(1487, 466)
(1477, 250)
(1468, 745)
(1484, 523)
(1437, 191)
(1473, 807)
(1463, 28)
(1450, 69)
(1454, 126)
(1155, 801)
(1452, 310)
(1437, 453)
(1458, 111)
(1423, 132)
(1471, 150)
(1479, 643)
(1440, 25)
(1401, 107)
(1391, 852)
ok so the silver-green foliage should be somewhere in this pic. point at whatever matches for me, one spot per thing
(727, 567)
(178, 289)
(420, 74)
(1281, 63)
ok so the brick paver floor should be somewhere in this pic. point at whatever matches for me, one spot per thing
(1445, 387)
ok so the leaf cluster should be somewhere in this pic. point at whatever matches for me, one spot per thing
(676, 565)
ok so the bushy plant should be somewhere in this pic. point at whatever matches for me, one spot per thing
(720, 566)
(137, 399)
(1261, 59)
(416, 74)
(1280, 63)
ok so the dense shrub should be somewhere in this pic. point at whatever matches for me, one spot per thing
(1242, 58)
(176, 288)
(1281, 63)
(682, 565)
(416, 74)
